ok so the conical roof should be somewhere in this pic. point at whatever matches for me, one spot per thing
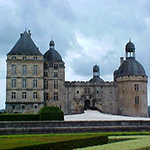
(25, 46)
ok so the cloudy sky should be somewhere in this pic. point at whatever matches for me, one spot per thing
(85, 32)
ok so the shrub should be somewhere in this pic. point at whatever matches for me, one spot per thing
(19, 117)
(51, 113)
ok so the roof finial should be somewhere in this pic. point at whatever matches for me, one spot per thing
(129, 39)
(25, 29)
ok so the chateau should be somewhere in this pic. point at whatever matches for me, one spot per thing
(35, 80)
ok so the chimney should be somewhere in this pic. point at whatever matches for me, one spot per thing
(121, 60)
(29, 33)
(21, 34)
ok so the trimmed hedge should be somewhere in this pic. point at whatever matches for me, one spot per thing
(68, 145)
(51, 113)
(19, 117)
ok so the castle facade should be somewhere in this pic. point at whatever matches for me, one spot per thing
(35, 80)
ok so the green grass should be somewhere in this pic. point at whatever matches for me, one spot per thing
(139, 142)
(127, 139)
(14, 141)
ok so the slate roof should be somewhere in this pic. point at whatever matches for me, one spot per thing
(52, 55)
(25, 46)
(96, 79)
(130, 67)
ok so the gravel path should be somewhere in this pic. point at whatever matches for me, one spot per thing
(90, 115)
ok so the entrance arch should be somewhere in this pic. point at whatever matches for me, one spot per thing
(87, 104)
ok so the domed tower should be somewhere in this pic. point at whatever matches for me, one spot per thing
(96, 74)
(132, 85)
(54, 78)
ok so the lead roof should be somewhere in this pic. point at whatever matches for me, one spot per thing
(25, 46)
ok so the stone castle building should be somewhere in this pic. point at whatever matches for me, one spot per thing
(35, 80)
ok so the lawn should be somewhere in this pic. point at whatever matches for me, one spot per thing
(117, 141)
(139, 142)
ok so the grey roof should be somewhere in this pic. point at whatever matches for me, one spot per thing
(130, 47)
(96, 79)
(52, 54)
(130, 67)
(25, 46)
(96, 68)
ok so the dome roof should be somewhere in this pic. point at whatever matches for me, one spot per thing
(96, 79)
(96, 68)
(130, 67)
(130, 47)
(51, 44)
(52, 54)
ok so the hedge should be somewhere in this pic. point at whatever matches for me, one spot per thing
(68, 145)
(51, 113)
(19, 117)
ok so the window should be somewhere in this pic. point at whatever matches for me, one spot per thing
(136, 87)
(55, 84)
(45, 84)
(13, 95)
(24, 83)
(35, 107)
(13, 106)
(34, 95)
(45, 96)
(24, 95)
(55, 74)
(55, 96)
(56, 66)
(34, 58)
(45, 74)
(77, 92)
(24, 58)
(14, 57)
(137, 100)
(45, 66)
(13, 69)
(13, 82)
(23, 107)
(34, 83)
(24, 69)
(35, 69)
(87, 90)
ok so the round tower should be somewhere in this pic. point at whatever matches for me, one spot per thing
(132, 85)
(54, 78)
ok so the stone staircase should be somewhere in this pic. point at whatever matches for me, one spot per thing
(45, 127)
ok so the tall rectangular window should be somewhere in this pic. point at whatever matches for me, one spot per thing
(55, 84)
(136, 87)
(34, 83)
(34, 95)
(55, 96)
(137, 100)
(13, 82)
(24, 69)
(13, 70)
(45, 96)
(45, 84)
(24, 83)
(24, 95)
(13, 95)
(35, 69)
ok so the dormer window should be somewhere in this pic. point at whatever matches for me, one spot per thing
(14, 57)
(34, 58)
(24, 58)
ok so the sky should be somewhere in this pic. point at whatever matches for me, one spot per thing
(85, 33)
